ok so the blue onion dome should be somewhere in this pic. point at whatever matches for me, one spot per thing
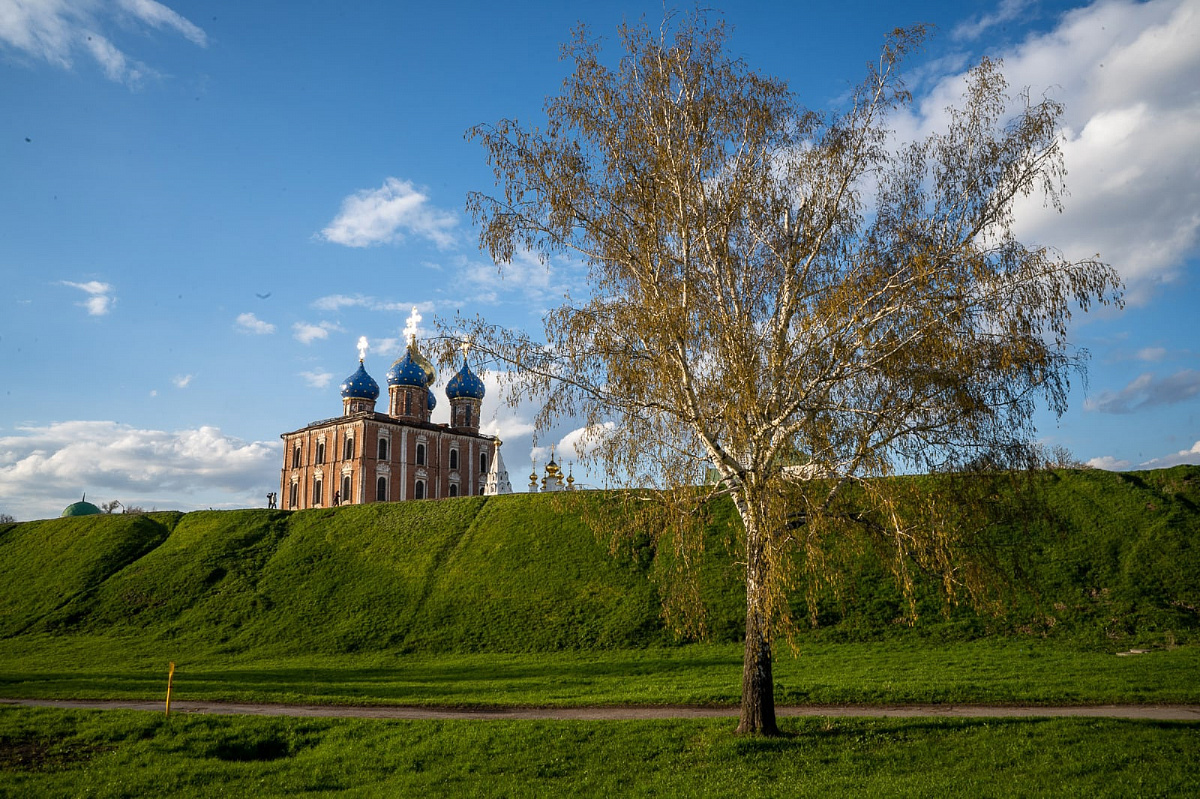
(360, 385)
(465, 384)
(407, 372)
(432, 401)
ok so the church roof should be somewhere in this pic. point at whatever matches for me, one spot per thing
(465, 384)
(407, 371)
(360, 385)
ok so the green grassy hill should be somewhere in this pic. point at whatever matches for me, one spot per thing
(1110, 558)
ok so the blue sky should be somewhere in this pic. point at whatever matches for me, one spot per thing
(206, 204)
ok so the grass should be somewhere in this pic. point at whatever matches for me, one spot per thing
(514, 601)
(990, 671)
(80, 753)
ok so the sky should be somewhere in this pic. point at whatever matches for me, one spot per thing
(206, 205)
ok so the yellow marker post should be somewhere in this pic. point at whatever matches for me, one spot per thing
(170, 678)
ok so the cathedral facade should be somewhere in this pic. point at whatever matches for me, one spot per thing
(367, 456)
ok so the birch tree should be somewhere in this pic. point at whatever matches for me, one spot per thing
(784, 300)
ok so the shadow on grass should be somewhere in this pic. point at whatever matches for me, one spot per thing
(409, 681)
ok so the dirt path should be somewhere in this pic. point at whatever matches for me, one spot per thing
(625, 712)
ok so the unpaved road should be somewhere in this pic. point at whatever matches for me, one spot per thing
(625, 712)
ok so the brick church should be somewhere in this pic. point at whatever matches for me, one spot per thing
(366, 456)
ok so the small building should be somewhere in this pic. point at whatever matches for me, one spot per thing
(366, 456)
(81, 508)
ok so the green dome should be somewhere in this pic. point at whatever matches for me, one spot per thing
(81, 508)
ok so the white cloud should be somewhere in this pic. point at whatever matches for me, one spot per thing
(387, 347)
(1191, 455)
(307, 334)
(159, 16)
(975, 27)
(100, 296)
(1126, 72)
(317, 379)
(182, 381)
(582, 440)
(525, 278)
(249, 323)
(336, 302)
(1152, 354)
(1148, 391)
(54, 30)
(43, 469)
(1109, 464)
(386, 214)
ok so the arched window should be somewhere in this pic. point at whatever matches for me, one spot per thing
(453, 459)
(296, 457)
(317, 494)
(407, 403)
(483, 463)
(348, 449)
(454, 489)
(381, 494)
(481, 491)
(420, 455)
(320, 452)
(292, 491)
(383, 449)
(345, 489)
(419, 490)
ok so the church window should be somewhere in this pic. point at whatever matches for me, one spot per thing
(453, 459)
(454, 489)
(320, 452)
(407, 403)
(419, 490)
(292, 491)
(296, 457)
(467, 416)
(420, 454)
(481, 490)
(348, 449)
(381, 492)
(317, 491)
(345, 489)
(383, 449)
(483, 463)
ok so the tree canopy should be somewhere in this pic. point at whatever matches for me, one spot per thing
(786, 299)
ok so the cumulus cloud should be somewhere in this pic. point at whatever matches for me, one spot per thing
(582, 440)
(385, 215)
(1148, 391)
(100, 298)
(249, 323)
(307, 334)
(317, 378)
(43, 469)
(1109, 464)
(182, 381)
(1191, 455)
(1152, 354)
(1126, 72)
(54, 31)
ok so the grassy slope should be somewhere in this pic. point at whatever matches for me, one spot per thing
(1113, 559)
